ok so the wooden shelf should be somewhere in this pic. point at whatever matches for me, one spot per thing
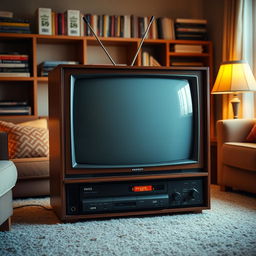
(86, 50)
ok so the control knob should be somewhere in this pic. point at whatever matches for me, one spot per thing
(176, 196)
(193, 194)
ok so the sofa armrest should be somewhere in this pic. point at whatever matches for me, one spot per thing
(4, 146)
(230, 130)
(233, 130)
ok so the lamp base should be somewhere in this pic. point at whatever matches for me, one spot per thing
(235, 105)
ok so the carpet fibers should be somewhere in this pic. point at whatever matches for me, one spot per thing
(229, 228)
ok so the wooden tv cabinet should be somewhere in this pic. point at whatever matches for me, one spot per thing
(84, 193)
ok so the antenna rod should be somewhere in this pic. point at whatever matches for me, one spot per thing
(143, 38)
(105, 50)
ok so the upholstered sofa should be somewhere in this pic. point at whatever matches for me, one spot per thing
(236, 156)
(8, 178)
(33, 172)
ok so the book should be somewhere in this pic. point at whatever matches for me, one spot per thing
(153, 62)
(145, 58)
(14, 74)
(14, 62)
(82, 25)
(72, 21)
(190, 29)
(105, 25)
(15, 110)
(134, 26)
(17, 20)
(13, 56)
(45, 67)
(154, 30)
(14, 69)
(195, 21)
(57, 62)
(13, 29)
(127, 26)
(188, 48)
(15, 24)
(13, 103)
(44, 21)
(185, 36)
(187, 63)
(6, 14)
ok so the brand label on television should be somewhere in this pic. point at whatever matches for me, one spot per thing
(137, 169)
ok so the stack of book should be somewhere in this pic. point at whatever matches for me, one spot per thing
(45, 67)
(9, 24)
(14, 65)
(188, 48)
(191, 29)
(14, 108)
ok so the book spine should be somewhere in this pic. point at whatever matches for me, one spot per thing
(14, 70)
(6, 14)
(24, 62)
(12, 57)
(53, 24)
(127, 26)
(14, 74)
(56, 24)
(13, 65)
(44, 19)
(197, 21)
(141, 26)
(94, 24)
(15, 24)
(14, 28)
(121, 26)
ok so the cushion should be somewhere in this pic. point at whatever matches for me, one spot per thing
(26, 141)
(240, 155)
(39, 123)
(32, 168)
(252, 135)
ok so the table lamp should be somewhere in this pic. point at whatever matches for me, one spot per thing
(234, 77)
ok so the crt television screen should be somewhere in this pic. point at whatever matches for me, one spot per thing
(120, 121)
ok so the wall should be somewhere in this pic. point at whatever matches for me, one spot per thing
(208, 9)
(172, 8)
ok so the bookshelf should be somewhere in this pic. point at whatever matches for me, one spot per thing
(85, 50)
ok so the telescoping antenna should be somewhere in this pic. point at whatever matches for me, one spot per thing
(105, 50)
(103, 47)
(142, 39)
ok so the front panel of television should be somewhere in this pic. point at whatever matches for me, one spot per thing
(129, 120)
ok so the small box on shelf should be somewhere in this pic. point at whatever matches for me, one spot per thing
(44, 21)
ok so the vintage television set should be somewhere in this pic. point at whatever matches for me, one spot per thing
(128, 140)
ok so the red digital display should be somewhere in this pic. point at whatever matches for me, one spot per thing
(142, 188)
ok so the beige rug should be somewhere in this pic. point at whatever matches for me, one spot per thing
(229, 228)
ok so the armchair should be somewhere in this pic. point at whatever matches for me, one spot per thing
(33, 172)
(236, 158)
(8, 178)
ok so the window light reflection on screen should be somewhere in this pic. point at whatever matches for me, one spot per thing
(184, 95)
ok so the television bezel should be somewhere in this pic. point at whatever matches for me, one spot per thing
(68, 71)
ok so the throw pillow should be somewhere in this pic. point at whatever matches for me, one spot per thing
(252, 135)
(26, 141)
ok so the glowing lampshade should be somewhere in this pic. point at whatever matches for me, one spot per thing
(234, 77)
